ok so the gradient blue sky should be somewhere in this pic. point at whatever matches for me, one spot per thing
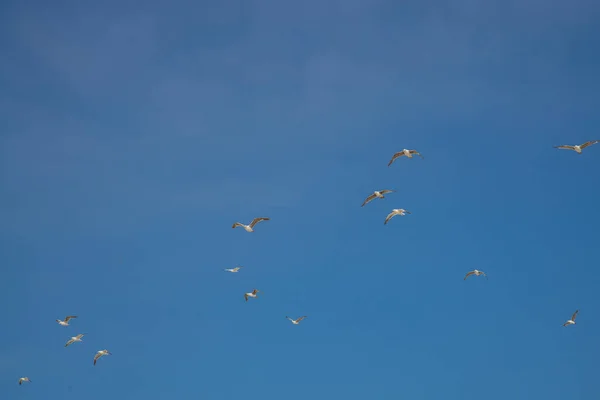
(133, 136)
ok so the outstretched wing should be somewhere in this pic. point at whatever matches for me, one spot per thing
(386, 191)
(246, 296)
(574, 315)
(396, 155)
(69, 342)
(80, 336)
(390, 216)
(235, 225)
(257, 220)
(368, 199)
(469, 274)
(96, 357)
(565, 147)
(586, 144)
(417, 153)
(69, 317)
(301, 318)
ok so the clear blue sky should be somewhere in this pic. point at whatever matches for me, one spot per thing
(133, 136)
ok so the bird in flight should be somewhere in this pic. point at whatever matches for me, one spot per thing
(296, 321)
(66, 321)
(476, 273)
(249, 227)
(236, 269)
(396, 211)
(24, 379)
(377, 194)
(572, 320)
(404, 152)
(100, 354)
(251, 294)
(75, 339)
(577, 148)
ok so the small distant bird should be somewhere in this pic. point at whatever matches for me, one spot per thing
(66, 321)
(24, 379)
(396, 211)
(476, 273)
(251, 294)
(404, 152)
(296, 321)
(377, 194)
(572, 320)
(75, 339)
(249, 227)
(236, 269)
(100, 354)
(577, 148)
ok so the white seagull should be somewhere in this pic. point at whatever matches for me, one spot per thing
(476, 273)
(236, 269)
(577, 148)
(66, 321)
(296, 321)
(24, 379)
(396, 211)
(572, 320)
(404, 152)
(249, 227)
(100, 354)
(75, 339)
(251, 294)
(377, 194)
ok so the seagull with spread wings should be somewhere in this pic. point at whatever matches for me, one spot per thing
(250, 226)
(296, 321)
(377, 194)
(24, 379)
(75, 339)
(396, 211)
(577, 148)
(101, 353)
(572, 320)
(476, 273)
(66, 321)
(251, 294)
(236, 269)
(405, 152)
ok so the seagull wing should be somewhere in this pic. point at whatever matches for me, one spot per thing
(417, 153)
(386, 191)
(407, 212)
(301, 318)
(469, 274)
(398, 154)
(586, 144)
(80, 336)
(574, 315)
(257, 220)
(390, 216)
(69, 317)
(97, 356)
(69, 342)
(368, 199)
(565, 147)
(236, 225)
(246, 296)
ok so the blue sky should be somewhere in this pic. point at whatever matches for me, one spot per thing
(134, 136)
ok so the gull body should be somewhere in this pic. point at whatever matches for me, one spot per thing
(396, 211)
(24, 379)
(296, 321)
(75, 339)
(66, 321)
(250, 226)
(577, 148)
(252, 294)
(476, 273)
(101, 353)
(404, 152)
(236, 269)
(572, 320)
(378, 194)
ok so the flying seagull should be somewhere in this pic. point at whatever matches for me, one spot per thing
(396, 211)
(404, 152)
(377, 194)
(75, 339)
(251, 294)
(100, 354)
(572, 320)
(66, 321)
(577, 148)
(249, 227)
(476, 273)
(24, 379)
(296, 321)
(236, 269)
